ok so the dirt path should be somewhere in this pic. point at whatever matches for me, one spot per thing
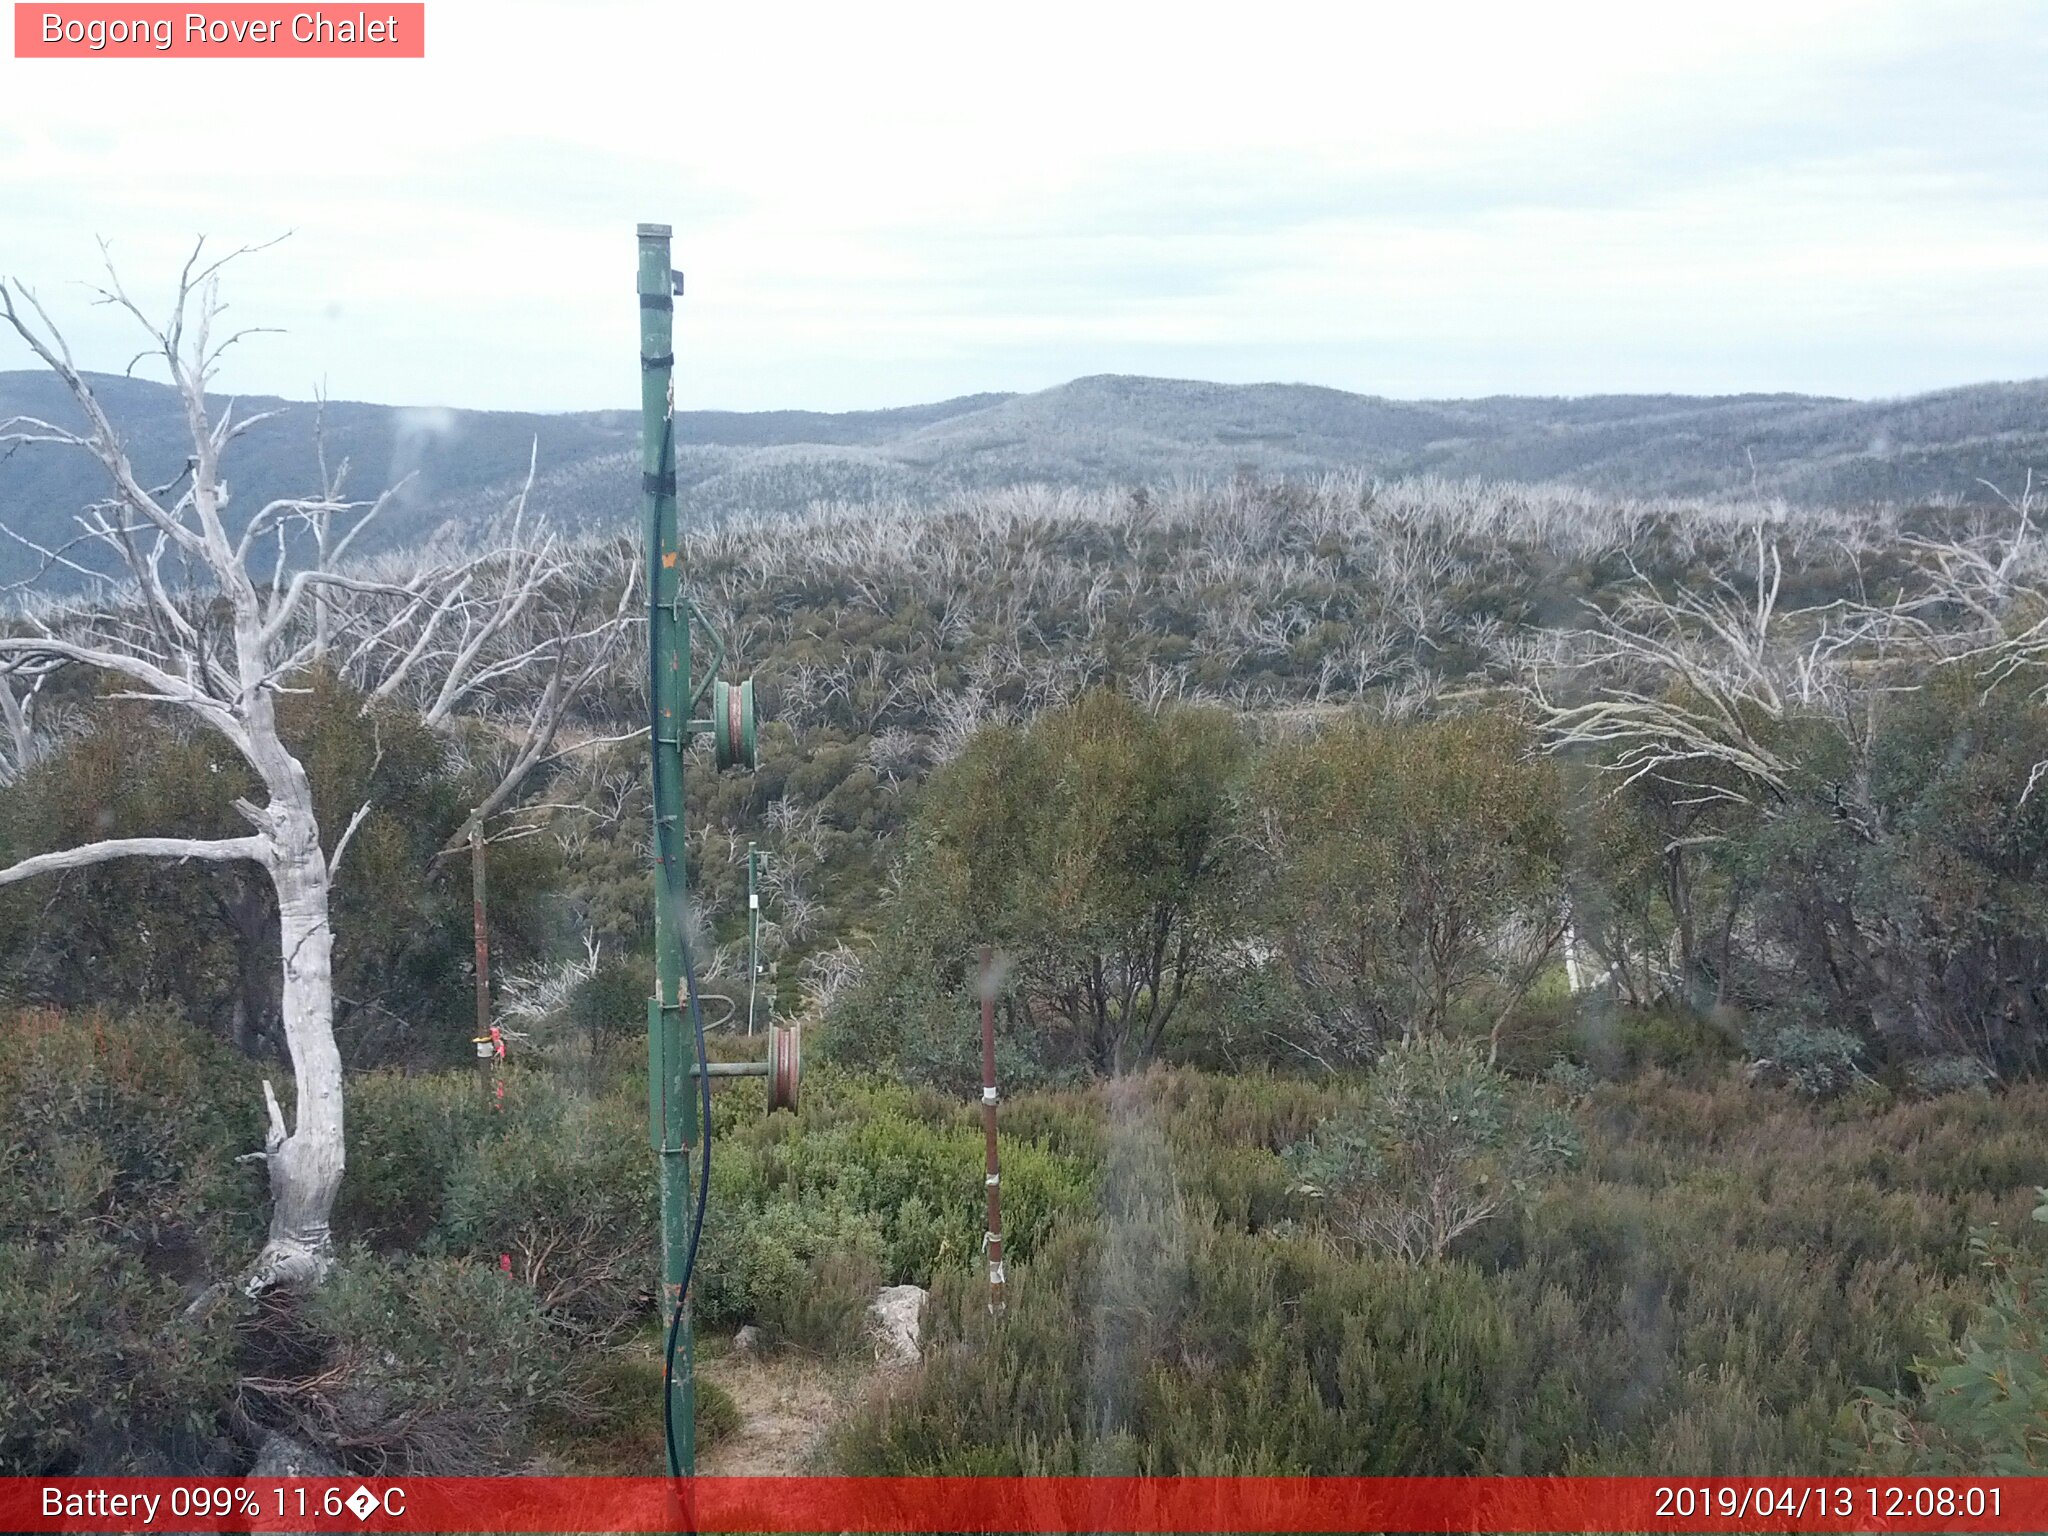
(788, 1403)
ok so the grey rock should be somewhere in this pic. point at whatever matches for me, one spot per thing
(897, 1317)
(282, 1456)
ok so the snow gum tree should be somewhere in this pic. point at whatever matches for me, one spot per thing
(213, 615)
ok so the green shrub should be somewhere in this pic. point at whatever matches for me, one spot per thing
(561, 1184)
(923, 1183)
(908, 1162)
(1415, 875)
(1249, 1018)
(1093, 847)
(1814, 1060)
(566, 1187)
(1545, 1026)
(888, 1163)
(1617, 1041)
(1982, 1403)
(1441, 1143)
(611, 1001)
(1249, 1109)
(423, 1366)
(827, 1313)
(121, 1203)
(129, 1126)
(101, 1370)
(200, 937)
(717, 1414)
(804, 1272)
(614, 1427)
(1937, 1075)
(1231, 1354)
(1701, 1290)
(921, 1029)
(1570, 1079)
(407, 1133)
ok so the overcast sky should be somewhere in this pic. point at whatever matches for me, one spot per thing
(886, 203)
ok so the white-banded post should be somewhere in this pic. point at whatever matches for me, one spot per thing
(753, 938)
(489, 1043)
(992, 1240)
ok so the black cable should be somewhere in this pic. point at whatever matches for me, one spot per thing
(675, 1322)
(662, 841)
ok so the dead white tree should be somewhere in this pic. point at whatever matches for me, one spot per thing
(1702, 693)
(22, 744)
(1998, 583)
(1694, 687)
(516, 643)
(193, 622)
(1694, 684)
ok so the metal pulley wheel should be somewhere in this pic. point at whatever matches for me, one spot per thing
(732, 723)
(785, 1064)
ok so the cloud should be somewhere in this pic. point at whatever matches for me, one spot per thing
(877, 206)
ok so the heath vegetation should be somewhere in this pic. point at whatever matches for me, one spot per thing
(1494, 979)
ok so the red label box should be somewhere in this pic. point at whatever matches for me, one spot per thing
(1056, 1506)
(373, 30)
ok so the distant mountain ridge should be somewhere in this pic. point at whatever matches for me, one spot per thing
(1106, 429)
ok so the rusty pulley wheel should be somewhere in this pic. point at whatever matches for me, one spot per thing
(785, 1064)
(732, 723)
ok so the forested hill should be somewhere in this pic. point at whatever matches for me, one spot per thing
(1105, 430)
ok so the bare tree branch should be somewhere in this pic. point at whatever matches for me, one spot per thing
(179, 848)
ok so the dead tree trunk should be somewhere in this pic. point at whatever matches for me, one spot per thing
(305, 1159)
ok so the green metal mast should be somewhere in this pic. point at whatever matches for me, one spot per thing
(675, 1081)
(672, 1102)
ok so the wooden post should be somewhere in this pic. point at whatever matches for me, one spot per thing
(992, 1240)
(490, 1045)
(753, 938)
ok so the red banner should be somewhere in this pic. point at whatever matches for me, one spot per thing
(377, 30)
(1024, 1504)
